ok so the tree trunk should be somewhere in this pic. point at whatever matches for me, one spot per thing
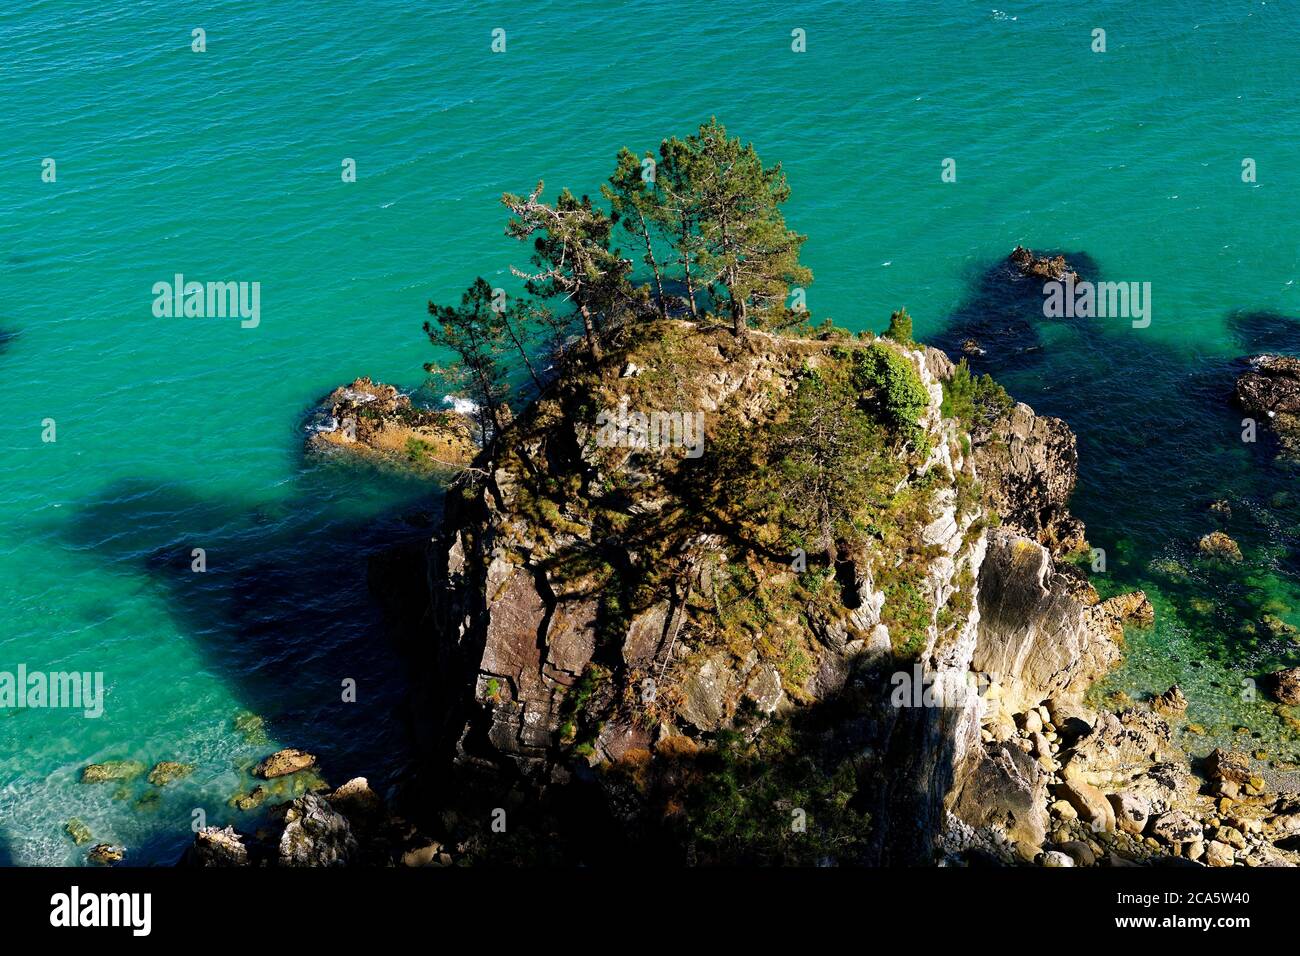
(654, 266)
(589, 332)
(686, 263)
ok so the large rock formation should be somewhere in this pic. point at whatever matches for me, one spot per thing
(567, 640)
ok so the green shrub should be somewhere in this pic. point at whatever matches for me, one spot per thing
(900, 328)
(896, 386)
(974, 400)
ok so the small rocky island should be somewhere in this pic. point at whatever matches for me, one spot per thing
(1270, 391)
(855, 629)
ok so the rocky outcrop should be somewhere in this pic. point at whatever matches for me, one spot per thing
(1269, 390)
(216, 847)
(349, 826)
(1048, 269)
(1218, 545)
(315, 834)
(378, 422)
(1028, 465)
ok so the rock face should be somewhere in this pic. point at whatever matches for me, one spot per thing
(1007, 788)
(530, 652)
(1037, 635)
(1029, 465)
(375, 420)
(538, 669)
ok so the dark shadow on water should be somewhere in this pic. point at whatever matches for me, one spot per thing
(282, 613)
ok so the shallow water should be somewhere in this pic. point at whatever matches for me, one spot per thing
(183, 433)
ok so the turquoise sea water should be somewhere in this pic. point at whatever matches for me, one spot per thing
(177, 433)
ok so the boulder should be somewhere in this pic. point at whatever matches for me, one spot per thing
(1056, 858)
(1228, 766)
(284, 762)
(1088, 801)
(356, 799)
(1286, 685)
(1176, 827)
(1171, 702)
(1219, 854)
(1131, 811)
(1004, 786)
(1079, 852)
(1218, 545)
(315, 835)
(105, 854)
(216, 846)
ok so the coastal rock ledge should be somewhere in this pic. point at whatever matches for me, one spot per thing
(378, 422)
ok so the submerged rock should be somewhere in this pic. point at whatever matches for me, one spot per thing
(112, 770)
(251, 727)
(165, 772)
(79, 832)
(249, 801)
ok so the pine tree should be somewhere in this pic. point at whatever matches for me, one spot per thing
(474, 332)
(724, 216)
(634, 205)
(572, 255)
